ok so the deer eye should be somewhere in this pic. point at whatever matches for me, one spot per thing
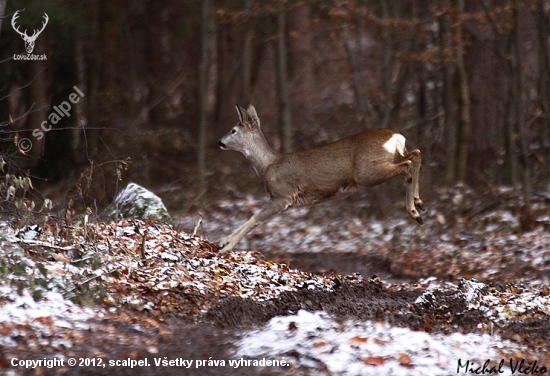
(233, 131)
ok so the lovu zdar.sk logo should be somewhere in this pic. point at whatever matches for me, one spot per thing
(29, 39)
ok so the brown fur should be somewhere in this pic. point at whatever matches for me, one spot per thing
(307, 177)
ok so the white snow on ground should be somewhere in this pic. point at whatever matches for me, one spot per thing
(43, 317)
(21, 316)
(310, 341)
(319, 343)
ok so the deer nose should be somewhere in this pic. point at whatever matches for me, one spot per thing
(221, 144)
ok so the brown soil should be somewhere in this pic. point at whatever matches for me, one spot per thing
(212, 336)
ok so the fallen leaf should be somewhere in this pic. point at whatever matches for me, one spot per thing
(358, 339)
(374, 361)
(405, 360)
(319, 344)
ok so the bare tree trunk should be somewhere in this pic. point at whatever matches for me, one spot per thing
(387, 68)
(247, 58)
(544, 65)
(357, 84)
(203, 110)
(39, 95)
(2, 11)
(446, 39)
(40, 99)
(300, 64)
(107, 99)
(81, 107)
(285, 124)
(224, 101)
(464, 102)
(511, 149)
(527, 219)
(418, 71)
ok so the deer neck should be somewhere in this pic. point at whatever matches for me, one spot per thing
(260, 154)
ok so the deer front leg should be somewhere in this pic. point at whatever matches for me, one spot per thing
(272, 208)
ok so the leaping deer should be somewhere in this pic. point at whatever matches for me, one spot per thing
(337, 169)
(29, 40)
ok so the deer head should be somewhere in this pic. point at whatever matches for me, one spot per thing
(242, 136)
(29, 40)
(248, 138)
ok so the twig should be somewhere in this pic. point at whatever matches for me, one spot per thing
(143, 244)
(485, 208)
(82, 284)
(44, 244)
(199, 223)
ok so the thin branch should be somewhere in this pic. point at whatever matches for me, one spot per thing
(26, 85)
(6, 123)
(82, 284)
(11, 14)
(45, 244)
(142, 248)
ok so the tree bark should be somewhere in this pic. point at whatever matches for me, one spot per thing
(527, 219)
(511, 148)
(2, 12)
(448, 99)
(81, 107)
(360, 104)
(285, 124)
(39, 95)
(246, 77)
(465, 124)
(107, 100)
(300, 63)
(543, 14)
(387, 68)
(203, 106)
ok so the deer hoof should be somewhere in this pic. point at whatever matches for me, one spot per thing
(224, 247)
(419, 204)
(221, 246)
(419, 220)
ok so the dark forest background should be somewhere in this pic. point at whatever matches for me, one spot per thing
(466, 81)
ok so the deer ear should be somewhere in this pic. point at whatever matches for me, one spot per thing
(241, 112)
(254, 116)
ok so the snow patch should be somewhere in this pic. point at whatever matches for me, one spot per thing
(471, 289)
(22, 313)
(354, 347)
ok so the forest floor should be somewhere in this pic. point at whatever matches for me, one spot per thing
(329, 290)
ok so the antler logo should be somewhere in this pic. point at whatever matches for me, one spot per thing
(29, 40)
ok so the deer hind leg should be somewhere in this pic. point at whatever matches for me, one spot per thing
(388, 170)
(409, 191)
(412, 182)
(417, 165)
(271, 209)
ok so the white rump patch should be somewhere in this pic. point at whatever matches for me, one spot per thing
(396, 144)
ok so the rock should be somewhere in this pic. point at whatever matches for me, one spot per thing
(134, 201)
